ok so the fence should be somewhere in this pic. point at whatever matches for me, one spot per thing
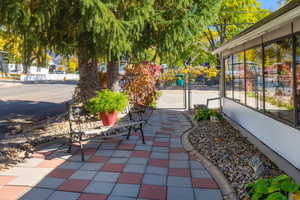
(48, 77)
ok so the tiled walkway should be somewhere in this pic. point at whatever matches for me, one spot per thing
(116, 170)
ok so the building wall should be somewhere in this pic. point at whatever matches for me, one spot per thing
(283, 139)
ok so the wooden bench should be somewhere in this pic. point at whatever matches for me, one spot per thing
(86, 127)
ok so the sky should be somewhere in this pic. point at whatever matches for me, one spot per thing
(269, 4)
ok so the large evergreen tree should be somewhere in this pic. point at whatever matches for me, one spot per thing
(107, 29)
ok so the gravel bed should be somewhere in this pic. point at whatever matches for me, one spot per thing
(226, 148)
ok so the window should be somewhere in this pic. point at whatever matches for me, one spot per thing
(254, 78)
(297, 98)
(228, 77)
(278, 79)
(239, 77)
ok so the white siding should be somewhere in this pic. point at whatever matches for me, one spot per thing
(283, 139)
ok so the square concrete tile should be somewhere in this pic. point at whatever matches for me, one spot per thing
(151, 179)
(117, 160)
(32, 162)
(161, 149)
(59, 195)
(74, 185)
(179, 156)
(51, 183)
(128, 190)
(134, 168)
(138, 161)
(179, 193)
(178, 164)
(159, 155)
(120, 198)
(143, 147)
(108, 146)
(106, 176)
(91, 166)
(37, 194)
(130, 178)
(121, 154)
(102, 152)
(152, 192)
(196, 165)
(71, 165)
(83, 174)
(99, 187)
(179, 181)
(208, 194)
(156, 170)
(200, 173)
(77, 158)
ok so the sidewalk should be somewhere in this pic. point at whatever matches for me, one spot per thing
(117, 170)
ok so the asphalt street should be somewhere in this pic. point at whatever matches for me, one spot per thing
(33, 101)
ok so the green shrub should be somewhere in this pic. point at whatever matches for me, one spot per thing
(107, 101)
(277, 188)
(205, 114)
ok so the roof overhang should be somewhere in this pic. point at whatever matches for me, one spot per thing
(274, 21)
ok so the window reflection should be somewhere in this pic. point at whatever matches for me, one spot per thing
(298, 78)
(278, 79)
(239, 77)
(228, 77)
(254, 78)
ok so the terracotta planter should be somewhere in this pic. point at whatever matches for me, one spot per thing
(109, 119)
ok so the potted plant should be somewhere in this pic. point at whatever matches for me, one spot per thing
(281, 187)
(107, 104)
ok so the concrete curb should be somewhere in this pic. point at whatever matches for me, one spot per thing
(225, 187)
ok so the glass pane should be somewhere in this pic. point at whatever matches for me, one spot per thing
(254, 79)
(278, 79)
(238, 77)
(298, 78)
(228, 77)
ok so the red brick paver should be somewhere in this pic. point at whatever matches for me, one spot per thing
(12, 192)
(74, 185)
(159, 162)
(130, 178)
(161, 144)
(92, 197)
(112, 167)
(99, 159)
(179, 172)
(153, 192)
(141, 154)
(62, 173)
(204, 183)
(126, 146)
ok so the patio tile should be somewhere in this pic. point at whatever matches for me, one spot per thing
(153, 192)
(61, 173)
(77, 158)
(71, 165)
(138, 161)
(161, 149)
(53, 163)
(113, 167)
(177, 150)
(141, 154)
(126, 146)
(121, 154)
(156, 170)
(108, 146)
(98, 159)
(12, 192)
(97, 187)
(6, 179)
(208, 194)
(134, 168)
(128, 190)
(59, 195)
(91, 166)
(32, 162)
(151, 179)
(159, 155)
(120, 198)
(92, 197)
(179, 164)
(143, 147)
(37, 194)
(179, 181)
(161, 144)
(196, 165)
(158, 162)
(74, 185)
(179, 172)
(102, 152)
(204, 183)
(180, 193)
(130, 178)
(117, 160)
(83, 174)
(179, 156)
(199, 173)
(106, 177)
(51, 183)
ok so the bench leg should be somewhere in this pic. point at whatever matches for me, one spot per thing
(129, 132)
(70, 144)
(82, 150)
(142, 132)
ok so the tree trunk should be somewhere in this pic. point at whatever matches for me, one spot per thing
(113, 76)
